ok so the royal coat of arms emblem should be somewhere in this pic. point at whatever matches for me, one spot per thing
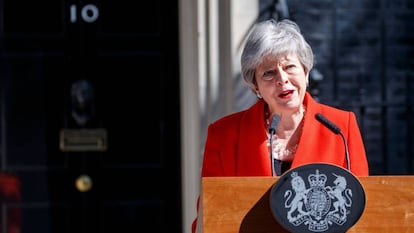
(317, 198)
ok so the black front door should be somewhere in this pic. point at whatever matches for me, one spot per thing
(90, 116)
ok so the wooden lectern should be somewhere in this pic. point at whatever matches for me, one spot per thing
(241, 204)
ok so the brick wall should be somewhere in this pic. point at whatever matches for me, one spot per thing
(364, 55)
(364, 51)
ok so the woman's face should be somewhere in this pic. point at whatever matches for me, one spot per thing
(282, 82)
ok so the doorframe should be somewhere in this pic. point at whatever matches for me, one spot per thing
(210, 32)
(190, 126)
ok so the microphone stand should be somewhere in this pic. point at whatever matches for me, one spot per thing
(348, 165)
(336, 130)
(271, 133)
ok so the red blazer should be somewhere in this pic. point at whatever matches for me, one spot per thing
(236, 144)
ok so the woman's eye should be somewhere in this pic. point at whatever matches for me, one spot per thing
(289, 67)
(268, 75)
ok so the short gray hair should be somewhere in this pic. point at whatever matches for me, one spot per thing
(276, 38)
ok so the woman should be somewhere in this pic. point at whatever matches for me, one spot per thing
(276, 62)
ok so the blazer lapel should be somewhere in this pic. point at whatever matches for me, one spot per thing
(252, 151)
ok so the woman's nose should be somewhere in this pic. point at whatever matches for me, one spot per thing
(283, 78)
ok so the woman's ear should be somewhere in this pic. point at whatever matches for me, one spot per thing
(255, 89)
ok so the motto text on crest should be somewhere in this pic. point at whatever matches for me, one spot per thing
(318, 206)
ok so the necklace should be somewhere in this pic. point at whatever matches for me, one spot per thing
(282, 152)
(284, 149)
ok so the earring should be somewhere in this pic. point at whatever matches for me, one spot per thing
(258, 95)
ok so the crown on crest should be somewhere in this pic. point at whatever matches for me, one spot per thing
(317, 179)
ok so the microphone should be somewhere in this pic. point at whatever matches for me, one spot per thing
(336, 130)
(272, 131)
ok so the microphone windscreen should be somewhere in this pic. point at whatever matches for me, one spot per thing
(327, 123)
(275, 121)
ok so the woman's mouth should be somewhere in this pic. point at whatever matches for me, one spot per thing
(286, 94)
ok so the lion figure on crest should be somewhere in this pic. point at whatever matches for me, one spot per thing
(298, 185)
